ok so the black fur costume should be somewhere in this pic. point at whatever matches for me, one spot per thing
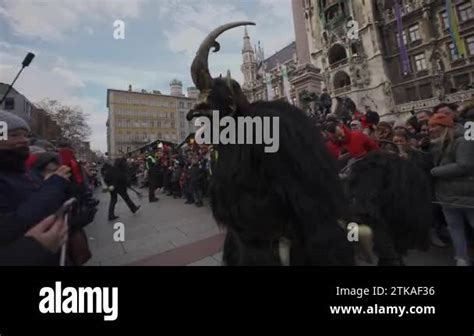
(294, 193)
(393, 197)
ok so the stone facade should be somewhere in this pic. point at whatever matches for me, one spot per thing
(355, 44)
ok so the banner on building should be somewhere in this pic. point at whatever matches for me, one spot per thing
(453, 26)
(406, 68)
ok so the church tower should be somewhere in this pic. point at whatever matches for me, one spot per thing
(249, 65)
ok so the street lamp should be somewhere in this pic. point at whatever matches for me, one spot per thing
(26, 62)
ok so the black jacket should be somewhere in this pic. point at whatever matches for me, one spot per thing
(18, 250)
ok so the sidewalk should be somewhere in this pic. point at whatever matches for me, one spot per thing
(171, 233)
(164, 233)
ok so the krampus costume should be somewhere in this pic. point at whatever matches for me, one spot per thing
(268, 201)
(393, 197)
(280, 208)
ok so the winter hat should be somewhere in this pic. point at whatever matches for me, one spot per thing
(400, 124)
(13, 122)
(441, 120)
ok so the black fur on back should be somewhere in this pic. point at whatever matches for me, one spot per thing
(393, 197)
(296, 193)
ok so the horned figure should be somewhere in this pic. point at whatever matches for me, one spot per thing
(278, 208)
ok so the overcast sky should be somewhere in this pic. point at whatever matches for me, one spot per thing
(77, 57)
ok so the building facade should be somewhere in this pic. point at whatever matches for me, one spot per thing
(138, 118)
(17, 104)
(437, 72)
(41, 124)
(356, 45)
(264, 78)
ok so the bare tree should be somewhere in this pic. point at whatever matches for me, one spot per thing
(70, 119)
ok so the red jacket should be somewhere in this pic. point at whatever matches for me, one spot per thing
(357, 144)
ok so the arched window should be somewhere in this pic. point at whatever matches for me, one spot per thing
(336, 54)
(341, 79)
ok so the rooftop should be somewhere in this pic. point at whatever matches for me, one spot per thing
(281, 57)
(146, 93)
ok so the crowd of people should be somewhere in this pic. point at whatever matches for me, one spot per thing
(178, 173)
(434, 141)
(36, 178)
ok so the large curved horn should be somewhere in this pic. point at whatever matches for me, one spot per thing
(200, 68)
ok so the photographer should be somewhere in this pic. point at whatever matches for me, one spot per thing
(22, 194)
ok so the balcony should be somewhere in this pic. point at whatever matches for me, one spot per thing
(458, 97)
(338, 64)
(418, 105)
(342, 90)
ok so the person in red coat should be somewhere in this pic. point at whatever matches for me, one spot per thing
(343, 143)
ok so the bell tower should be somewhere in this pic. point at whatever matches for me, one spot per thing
(249, 65)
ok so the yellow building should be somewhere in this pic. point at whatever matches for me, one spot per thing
(138, 118)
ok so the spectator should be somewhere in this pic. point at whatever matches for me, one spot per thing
(450, 111)
(408, 152)
(346, 144)
(116, 177)
(413, 127)
(384, 131)
(197, 177)
(423, 116)
(356, 125)
(454, 181)
(326, 102)
(400, 126)
(22, 194)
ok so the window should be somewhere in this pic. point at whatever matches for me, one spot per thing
(414, 33)
(470, 44)
(181, 124)
(190, 105)
(181, 105)
(158, 124)
(465, 12)
(405, 40)
(152, 124)
(444, 20)
(462, 80)
(411, 94)
(420, 62)
(426, 91)
(9, 103)
(454, 53)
